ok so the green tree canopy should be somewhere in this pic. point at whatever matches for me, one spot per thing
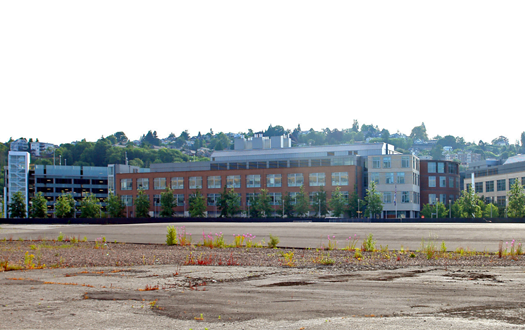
(114, 206)
(17, 207)
(197, 206)
(142, 205)
(65, 206)
(319, 205)
(90, 207)
(516, 205)
(167, 203)
(302, 203)
(338, 203)
(38, 207)
(373, 201)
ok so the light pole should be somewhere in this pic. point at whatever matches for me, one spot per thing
(450, 208)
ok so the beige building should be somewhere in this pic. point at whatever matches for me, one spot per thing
(493, 180)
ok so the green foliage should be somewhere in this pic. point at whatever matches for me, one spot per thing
(171, 236)
(355, 205)
(262, 204)
(516, 204)
(197, 205)
(319, 202)
(429, 211)
(419, 133)
(229, 203)
(167, 203)
(469, 205)
(114, 206)
(369, 244)
(65, 206)
(491, 211)
(17, 207)
(38, 208)
(338, 203)
(90, 207)
(142, 204)
(287, 208)
(274, 240)
(302, 203)
(373, 201)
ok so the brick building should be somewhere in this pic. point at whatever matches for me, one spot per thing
(439, 181)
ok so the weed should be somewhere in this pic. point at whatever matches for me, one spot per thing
(238, 240)
(332, 243)
(231, 261)
(443, 247)
(412, 255)
(383, 249)
(358, 254)
(219, 240)
(274, 240)
(351, 243)
(324, 259)
(201, 318)
(150, 288)
(153, 304)
(500, 250)
(28, 261)
(84, 239)
(289, 259)
(184, 238)
(171, 237)
(428, 247)
(60, 237)
(369, 244)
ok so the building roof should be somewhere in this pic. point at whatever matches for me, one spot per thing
(515, 159)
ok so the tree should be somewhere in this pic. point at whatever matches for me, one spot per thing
(89, 207)
(373, 201)
(491, 211)
(355, 205)
(287, 208)
(142, 205)
(38, 206)
(319, 203)
(167, 203)
(229, 203)
(65, 206)
(338, 203)
(197, 205)
(469, 204)
(263, 205)
(302, 203)
(516, 205)
(429, 211)
(17, 207)
(437, 152)
(419, 133)
(114, 206)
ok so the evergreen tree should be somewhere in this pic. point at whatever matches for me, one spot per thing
(229, 203)
(38, 208)
(142, 205)
(114, 206)
(17, 207)
(197, 205)
(338, 203)
(516, 206)
(167, 203)
(373, 201)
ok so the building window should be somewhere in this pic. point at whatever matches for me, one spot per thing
(214, 182)
(293, 198)
(374, 177)
(501, 201)
(387, 197)
(179, 199)
(405, 161)
(432, 199)
(275, 198)
(273, 180)
(295, 180)
(432, 181)
(156, 200)
(443, 181)
(195, 182)
(489, 186)
(143, 183)
(387, 162)
(376, 162)
(340, 179)
(177, 183)
(400, 177)
(233, 181)
(441, 167)
(126, 184)
(443, 198)
(478, 187)
(127, 200)
(389, 178)
(405, 197)
(501, 185)
(431, 167)
(253, 181)
(451, 182)
(213, 199)
(316, 179)
(511, 182)
(159, 183)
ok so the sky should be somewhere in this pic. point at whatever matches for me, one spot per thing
(71, 70)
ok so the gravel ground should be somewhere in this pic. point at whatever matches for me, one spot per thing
(89, 254)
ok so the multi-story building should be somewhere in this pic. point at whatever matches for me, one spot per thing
(440, 181)
(397, 179)
(493, 179)
(254, 166)
(17, 175)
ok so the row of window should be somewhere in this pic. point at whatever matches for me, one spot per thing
(501, 185)
(452, 182)
(391, 178)
(432, 198)
(213, 199)
(439, 167)
(390, 197)
(234, 181)
(386, 162)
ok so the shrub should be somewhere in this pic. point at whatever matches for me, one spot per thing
(369, 244)
(274, 240)
(171, 236)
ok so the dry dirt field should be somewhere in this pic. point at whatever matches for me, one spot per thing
(132, 286)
